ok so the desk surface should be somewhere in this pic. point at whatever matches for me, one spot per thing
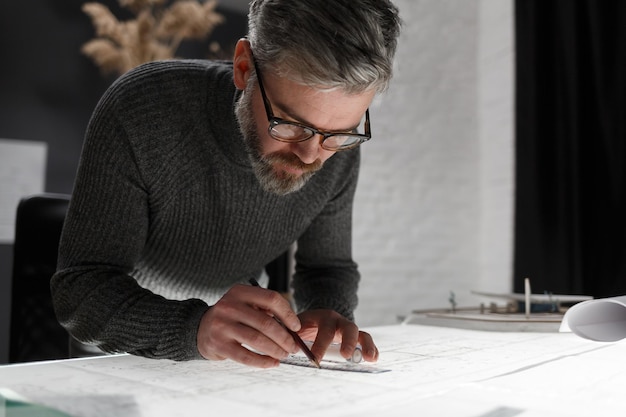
(433, 372)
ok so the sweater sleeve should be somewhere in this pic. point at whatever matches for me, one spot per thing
(95, 297)
(326, 276)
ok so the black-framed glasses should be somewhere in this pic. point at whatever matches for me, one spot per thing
(293, 132)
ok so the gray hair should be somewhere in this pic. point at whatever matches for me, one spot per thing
(344, 44)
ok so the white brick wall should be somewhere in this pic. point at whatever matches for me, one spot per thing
(433, 207)
(496, 135)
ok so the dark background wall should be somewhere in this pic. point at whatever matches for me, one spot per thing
(48, 90)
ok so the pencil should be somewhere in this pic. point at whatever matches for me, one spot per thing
(294, 335)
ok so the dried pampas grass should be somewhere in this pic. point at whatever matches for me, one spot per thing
(155, 33)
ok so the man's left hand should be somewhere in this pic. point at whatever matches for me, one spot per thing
(328, 326)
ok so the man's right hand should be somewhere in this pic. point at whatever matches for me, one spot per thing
(245, 316)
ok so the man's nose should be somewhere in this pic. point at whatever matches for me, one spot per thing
(309, 150)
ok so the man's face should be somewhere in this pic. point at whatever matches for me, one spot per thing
(285, 167)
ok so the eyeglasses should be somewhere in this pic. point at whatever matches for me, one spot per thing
(293, 132)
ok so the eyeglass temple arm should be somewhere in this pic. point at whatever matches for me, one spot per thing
(266, 103)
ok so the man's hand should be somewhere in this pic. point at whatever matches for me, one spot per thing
(245, 316)
(327, 326)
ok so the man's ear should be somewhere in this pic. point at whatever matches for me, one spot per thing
(242, 63)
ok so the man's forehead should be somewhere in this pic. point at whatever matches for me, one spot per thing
(298, 101)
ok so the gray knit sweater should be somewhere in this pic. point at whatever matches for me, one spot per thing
(167, 214)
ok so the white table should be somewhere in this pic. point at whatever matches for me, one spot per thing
(433, 372)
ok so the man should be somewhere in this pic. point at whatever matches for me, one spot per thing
(196, 174)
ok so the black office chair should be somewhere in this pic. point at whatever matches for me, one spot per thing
(35, 333)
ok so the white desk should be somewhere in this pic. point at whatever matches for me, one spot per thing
(434, 372)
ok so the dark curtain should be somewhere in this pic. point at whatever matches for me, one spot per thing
(570, 210)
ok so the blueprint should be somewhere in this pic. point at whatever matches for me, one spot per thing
(440, 371)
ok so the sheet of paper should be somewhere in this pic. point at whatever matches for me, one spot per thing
(433, 370)
(602, 320)
(22, 172)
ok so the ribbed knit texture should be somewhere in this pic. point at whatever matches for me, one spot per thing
(167, 215)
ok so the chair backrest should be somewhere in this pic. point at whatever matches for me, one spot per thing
(35, 332)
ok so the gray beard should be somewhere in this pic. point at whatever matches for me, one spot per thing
(263, 165)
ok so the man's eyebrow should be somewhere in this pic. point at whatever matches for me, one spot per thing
(285, 111)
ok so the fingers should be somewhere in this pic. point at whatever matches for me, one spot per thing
(238, 353)
(274, 304)
(368, 348)
(349, 339)
(242, 318)
(327, 326)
